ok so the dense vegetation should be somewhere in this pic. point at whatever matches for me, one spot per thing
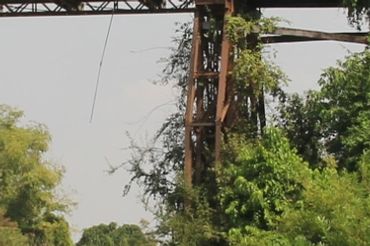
(303, 181)
(113, 235)
(30, 212)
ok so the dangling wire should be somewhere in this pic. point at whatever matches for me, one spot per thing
(100, 67)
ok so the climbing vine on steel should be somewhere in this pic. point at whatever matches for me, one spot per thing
(250, 67)
(358, 10)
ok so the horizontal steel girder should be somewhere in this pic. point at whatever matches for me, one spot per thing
(13, 8)
(283, 34)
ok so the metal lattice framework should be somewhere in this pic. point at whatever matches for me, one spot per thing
(213, 101)
(12, 8)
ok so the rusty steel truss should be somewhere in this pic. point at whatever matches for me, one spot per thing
(12, 8)
(213, 101)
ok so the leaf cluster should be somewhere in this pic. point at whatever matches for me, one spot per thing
(114, 235)
(357, 11)
(10, 234)
(272, 197)
(251, 68)
(334, 120)
(239, 27)
(264, 177)
(28, 181)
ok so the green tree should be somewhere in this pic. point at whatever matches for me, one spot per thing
(113, 235)
(28, 181)
(261, 179)
(10, 234)
(335, 119)
(335, 210)
(271, 197)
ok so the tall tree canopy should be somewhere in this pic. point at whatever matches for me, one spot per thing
(334, 120)
(114, 235)
(270, 196)
(28, 182)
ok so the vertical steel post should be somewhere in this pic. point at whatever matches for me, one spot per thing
(195, 56)
(208, 88)
(222, 83)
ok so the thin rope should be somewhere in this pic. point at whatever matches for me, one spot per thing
(150, 49)
(100, 67)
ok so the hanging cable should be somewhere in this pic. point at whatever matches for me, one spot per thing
(100, 66)
(150, 49)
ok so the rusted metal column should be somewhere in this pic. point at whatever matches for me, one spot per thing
(195, 59)
(222, 107)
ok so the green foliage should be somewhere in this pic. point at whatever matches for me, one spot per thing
(10, 234)
(252, 236)
(263, 75)
(357, 10)
(250, 69)
(270, 191)
(300, 120)
(357, 138)
(155, 165)
(189, 225)
(364, 170)
(113, 235)
(261, 181)
(344, 103)
(330, 128)
(238, 27)
(335, 210)
(54, 230)
(271, 197)
(28, 181)
(177, 64)
(334, 120)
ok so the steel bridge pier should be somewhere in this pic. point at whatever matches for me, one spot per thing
(212, 99)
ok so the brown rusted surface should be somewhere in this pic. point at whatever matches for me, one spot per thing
(201, 110)
(291, 39)
(295, 3)
(213, 108)
(195, 54)
(14, 8)
(221, 110)
(317, 35)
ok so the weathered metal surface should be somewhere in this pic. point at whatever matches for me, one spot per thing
(361, 38)
(13, 8)
(189, 146)
(295, 3)
(202, 93)
(292, 39)
(221, 109)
